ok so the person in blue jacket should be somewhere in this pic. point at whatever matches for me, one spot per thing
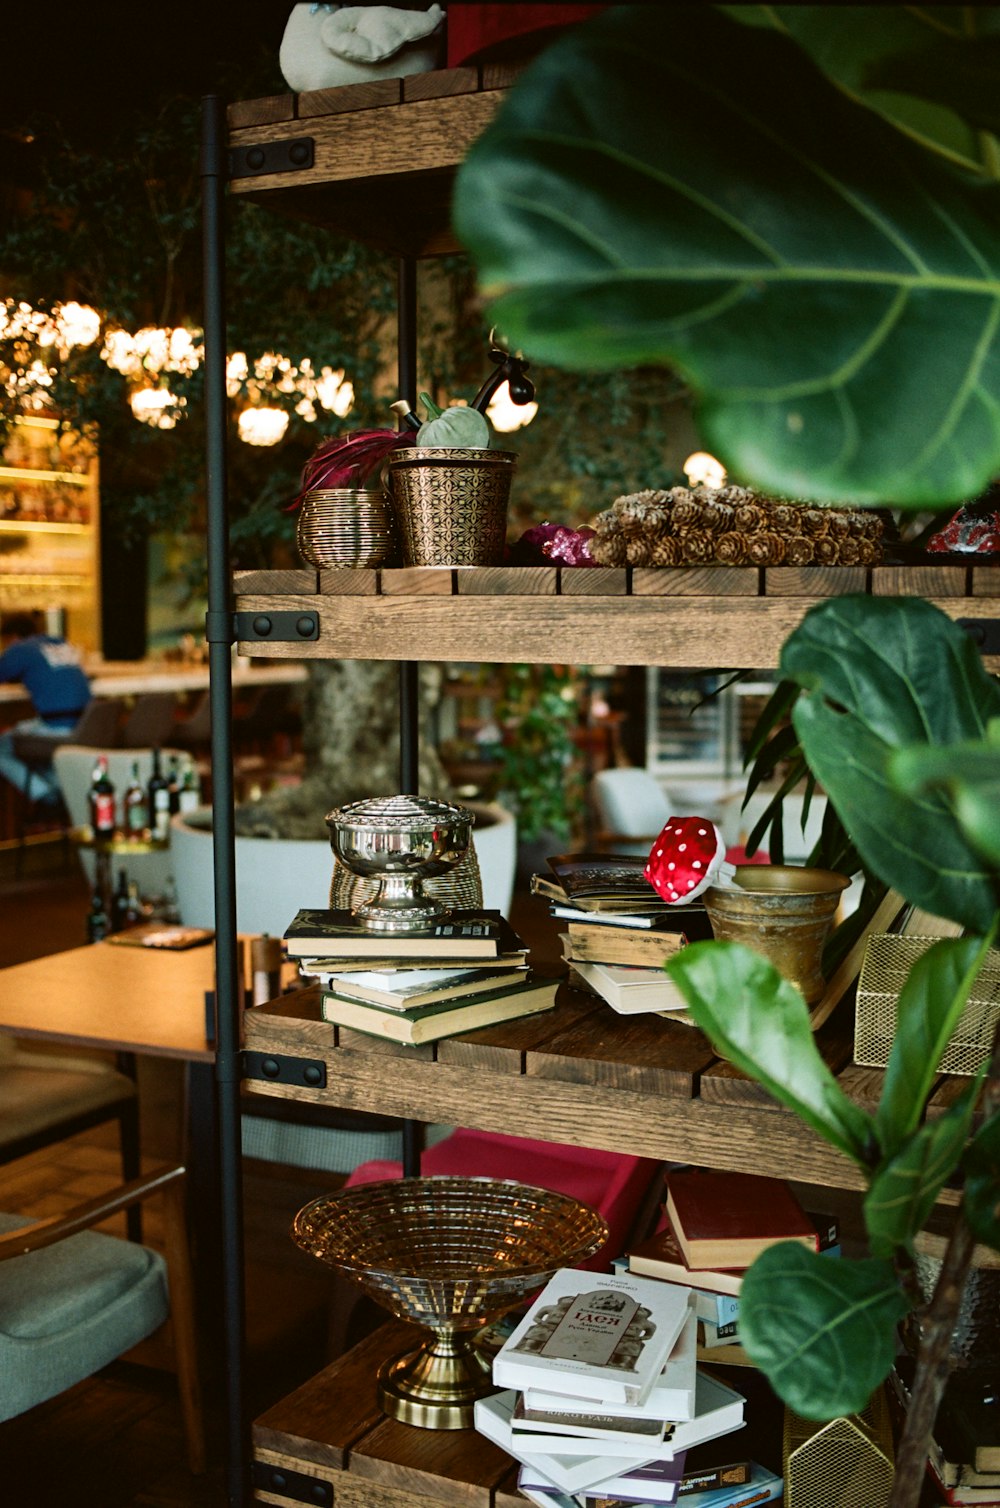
(50, 671)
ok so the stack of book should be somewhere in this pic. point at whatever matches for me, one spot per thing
(611, 890)
(467, 971)
(963, 1460)
(602, 1397)
(714, 1225)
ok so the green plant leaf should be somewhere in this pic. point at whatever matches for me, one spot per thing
(830, 292)
(880, 674)
(970, 773)
(760, 1022)
(982, 1182)
(935, 79)
(902, 1193)
(822, 1329)
(930, 1003)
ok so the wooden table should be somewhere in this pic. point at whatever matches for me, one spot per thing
(106, 995)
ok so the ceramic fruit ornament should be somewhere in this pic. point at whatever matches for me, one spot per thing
(454, 428)
(685, 859)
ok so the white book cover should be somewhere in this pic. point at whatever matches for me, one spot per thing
(594, 1335)
(413, 987)
(493, 1418)
(631, 989)
(643, 1485)
(671, 1398)
(719, 1411)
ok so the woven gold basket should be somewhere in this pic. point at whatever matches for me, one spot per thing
(888, 960)
(451, 505)
(346, 526)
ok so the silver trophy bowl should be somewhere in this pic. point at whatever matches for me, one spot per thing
(400, 841)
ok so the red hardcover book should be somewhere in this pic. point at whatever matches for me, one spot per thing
(726, 1220)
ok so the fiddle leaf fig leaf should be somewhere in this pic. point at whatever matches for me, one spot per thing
(933, 76)
(822, 1329)
(902, 1193)
(829, 290)
(970, 773)
(930, 1003)
(760, 1022)
(880, 674)
(982, 1182)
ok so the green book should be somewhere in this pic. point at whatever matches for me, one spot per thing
(428, 1023)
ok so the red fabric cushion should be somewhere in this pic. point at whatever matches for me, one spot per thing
(609, 1181)
(476, 32)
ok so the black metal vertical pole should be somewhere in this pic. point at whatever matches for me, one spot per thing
(219, 637)
(406, 361)
(409, 692)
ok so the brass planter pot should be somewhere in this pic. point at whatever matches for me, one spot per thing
(783, 912)
(451, 505)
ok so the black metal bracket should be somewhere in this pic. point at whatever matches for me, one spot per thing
(292, 1484)
(290, 156)
(275, 1068)
(984, 633)
(276, 628)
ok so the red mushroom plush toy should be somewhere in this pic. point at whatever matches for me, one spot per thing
(685, 859)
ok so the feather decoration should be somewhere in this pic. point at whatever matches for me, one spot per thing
(348, 461)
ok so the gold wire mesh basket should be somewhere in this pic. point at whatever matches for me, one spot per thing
(854, 1451)
(888, 960)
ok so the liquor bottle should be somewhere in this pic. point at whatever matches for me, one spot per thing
(102, 801)
(174, 784)
(119, 903)
(98, 924)
(190, 794)
(135, 807)
(158, 796)
(133, 905)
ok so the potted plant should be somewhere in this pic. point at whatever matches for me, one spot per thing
(801, 217)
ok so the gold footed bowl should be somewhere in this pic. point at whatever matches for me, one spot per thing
(452, 1255)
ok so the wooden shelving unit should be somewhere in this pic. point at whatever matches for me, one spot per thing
(376, 162)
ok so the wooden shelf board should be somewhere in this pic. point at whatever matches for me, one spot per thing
(689, 632)
(584, 1081)
(384, 156)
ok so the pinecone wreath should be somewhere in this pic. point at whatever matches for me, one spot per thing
(732, 526)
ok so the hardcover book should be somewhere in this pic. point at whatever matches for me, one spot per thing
(965, 1447)
(659, 1256)
(493, 1418)
(631, 990)
(592, 1335)
(589, 943)
(603, 878)
(725, 1220)
(647, 1486)
(461, 934)
(764, 1486)
(409, 988)
(429, 1023)
(323, 969)
(719, 1410)
(671, 1398)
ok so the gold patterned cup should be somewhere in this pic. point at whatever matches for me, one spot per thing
(451, 1254)
(451, 505)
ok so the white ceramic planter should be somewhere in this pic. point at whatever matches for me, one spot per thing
(277, 876)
